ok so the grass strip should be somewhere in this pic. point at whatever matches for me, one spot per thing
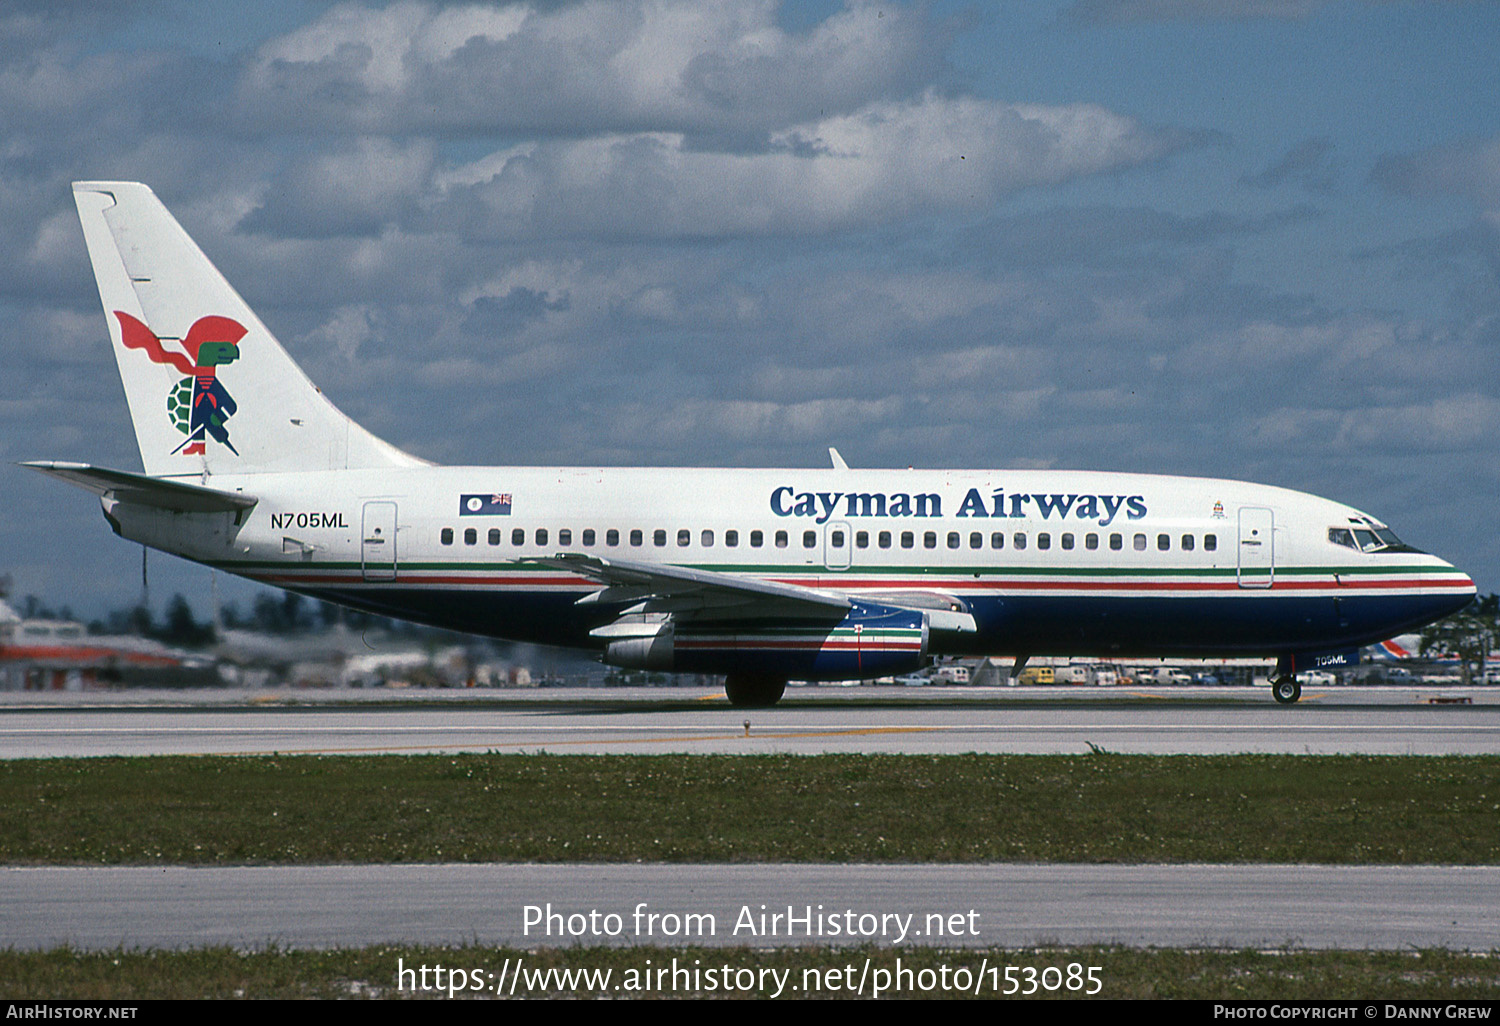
(1099, 808)
(742, 972)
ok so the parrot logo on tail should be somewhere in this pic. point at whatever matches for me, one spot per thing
(199, 404)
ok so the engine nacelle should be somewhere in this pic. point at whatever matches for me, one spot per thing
(872, 640)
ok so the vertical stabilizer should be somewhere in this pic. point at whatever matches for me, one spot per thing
(210, 389)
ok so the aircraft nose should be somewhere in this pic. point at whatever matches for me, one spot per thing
(1460, 586)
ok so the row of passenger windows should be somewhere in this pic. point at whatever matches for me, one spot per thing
(837, 540)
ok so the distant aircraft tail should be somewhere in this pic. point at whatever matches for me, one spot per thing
(210, 389)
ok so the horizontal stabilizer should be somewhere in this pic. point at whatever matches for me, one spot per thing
(140, 490)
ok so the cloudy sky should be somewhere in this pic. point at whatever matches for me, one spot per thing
(1246, 238)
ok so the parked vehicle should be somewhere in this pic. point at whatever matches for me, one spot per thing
(1074, 673)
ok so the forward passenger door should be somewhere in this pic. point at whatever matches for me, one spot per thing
(1257, 555)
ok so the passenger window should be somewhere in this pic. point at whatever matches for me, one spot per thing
(565, 537)
(1067, 541)
(1116, 543)
(976, 540)
(756, 539)
(684, 537)
(658, 537)
(446, 536)
(997, 540)
(636, 537)
(518, 537)
(1091, 541)
(1210, 542)
(953, 541)
(1140, 543)
(541, 536)
(612, 536)
(588, 536)
(884, 539)
(494, 537)
(781, 539)
(471, 536)
(1163, 542)
(862, 539)
(732, 538)
(1187, 543)
(1044, 540)
(707, 539)
(908, 539)
(836, 539)
(809, 539)
(1018, 540)
(929, 539)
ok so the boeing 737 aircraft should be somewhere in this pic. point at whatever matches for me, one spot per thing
(759, 575)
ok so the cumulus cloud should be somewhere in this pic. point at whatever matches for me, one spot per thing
(664, 65)
(1448, 424)
(357, 188)
(885, 162)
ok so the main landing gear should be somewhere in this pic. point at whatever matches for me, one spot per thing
(753, 692)
(1285, 688)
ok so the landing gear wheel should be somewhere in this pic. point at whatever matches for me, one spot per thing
(753, 692)
(1286, 690)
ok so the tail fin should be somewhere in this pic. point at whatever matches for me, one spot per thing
(210, 389)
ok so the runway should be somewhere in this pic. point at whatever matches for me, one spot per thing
(697, 721)
(1013, 906)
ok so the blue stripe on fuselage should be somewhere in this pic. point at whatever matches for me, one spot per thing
(1037, 624)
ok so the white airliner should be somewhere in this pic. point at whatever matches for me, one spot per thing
(759, 575)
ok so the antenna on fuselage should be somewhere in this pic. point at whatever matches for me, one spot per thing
(838, 461)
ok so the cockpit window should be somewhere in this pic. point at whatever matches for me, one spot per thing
(1368, 539)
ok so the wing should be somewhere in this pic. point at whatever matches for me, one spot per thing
(662, 588)
(680, 590)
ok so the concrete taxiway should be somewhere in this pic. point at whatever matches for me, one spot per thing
(811, 721)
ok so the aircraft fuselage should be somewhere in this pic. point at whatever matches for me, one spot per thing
(1046, 562)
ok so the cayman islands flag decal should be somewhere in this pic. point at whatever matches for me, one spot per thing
(487, 505)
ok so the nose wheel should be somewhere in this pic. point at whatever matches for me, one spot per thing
(1286, 689)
